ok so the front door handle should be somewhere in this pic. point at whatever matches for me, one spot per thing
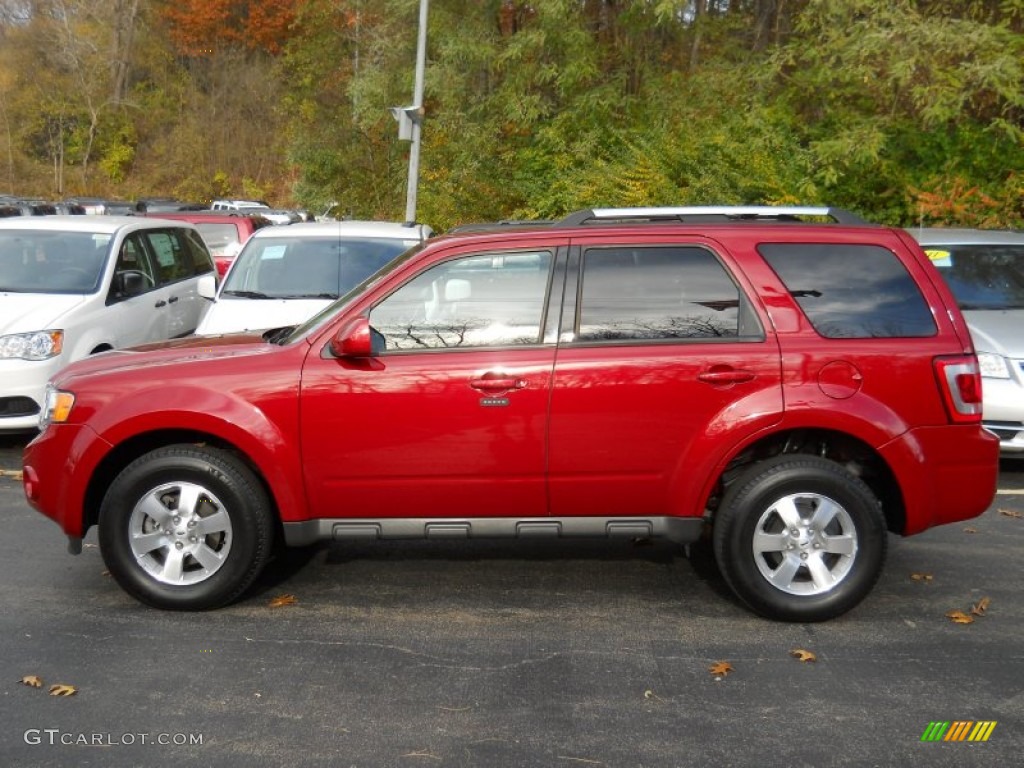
(160, 303)
(172, 299)
(496, 385)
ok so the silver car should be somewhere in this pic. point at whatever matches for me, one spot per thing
(985, 270)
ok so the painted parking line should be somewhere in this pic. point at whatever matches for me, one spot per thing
(1011, 492)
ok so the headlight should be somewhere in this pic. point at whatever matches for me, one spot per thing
(57, 406)
(37, 345)
(993, 366)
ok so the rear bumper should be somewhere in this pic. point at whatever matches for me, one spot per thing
(947, 474)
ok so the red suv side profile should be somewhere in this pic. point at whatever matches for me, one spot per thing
(799, 381)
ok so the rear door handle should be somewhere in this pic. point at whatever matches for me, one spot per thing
(172, 299)
(730, 376)
(160, 303)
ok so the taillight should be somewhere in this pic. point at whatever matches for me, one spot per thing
(960, 382)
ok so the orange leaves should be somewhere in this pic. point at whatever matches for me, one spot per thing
(200, 27)
(978, 609)
(59, 689)
(720, 669)
(1014, 513)
(959, 617)
(922, 577)
(283, 600)
(802, 655)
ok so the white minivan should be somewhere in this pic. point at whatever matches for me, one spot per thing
(285, 275)
(72, 286)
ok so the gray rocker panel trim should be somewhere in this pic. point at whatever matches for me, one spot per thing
(679, 529)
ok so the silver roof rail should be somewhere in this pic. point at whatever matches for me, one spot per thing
(710, 213)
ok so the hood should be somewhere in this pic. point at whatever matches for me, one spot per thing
(174, 352)
(997, 330)
(236, 315)
(23, 312)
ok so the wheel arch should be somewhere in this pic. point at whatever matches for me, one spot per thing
(846, 450)
(124, 453)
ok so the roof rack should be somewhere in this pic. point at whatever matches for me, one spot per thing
(705, 214)
(487, 226)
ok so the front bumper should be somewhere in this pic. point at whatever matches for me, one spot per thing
(22, 385)
(56, 469)
(1003, 409)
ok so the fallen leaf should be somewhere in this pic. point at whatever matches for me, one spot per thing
(33, 681)
(979, 608)
(649, 694)
(959, 617)
(970, 530)
(63, 690)
(280, 600)
(803, 655)
(1012, 513)
(721, 668)
(921, 577)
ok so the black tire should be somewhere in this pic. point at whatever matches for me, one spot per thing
(186, 528)
(800, 570)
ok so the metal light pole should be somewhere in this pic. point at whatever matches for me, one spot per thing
(417, 117)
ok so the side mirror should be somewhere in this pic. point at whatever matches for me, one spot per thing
(207, 287)
(353, 339)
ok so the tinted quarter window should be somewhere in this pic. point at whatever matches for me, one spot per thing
(851, 291)
(494, 299)
(660, 293)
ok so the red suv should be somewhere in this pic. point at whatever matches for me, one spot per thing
(797, 380)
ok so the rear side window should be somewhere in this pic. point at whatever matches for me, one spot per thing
(851, 291)
(660, 293)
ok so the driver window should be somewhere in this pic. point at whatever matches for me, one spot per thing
(133, 269)
(484, 300)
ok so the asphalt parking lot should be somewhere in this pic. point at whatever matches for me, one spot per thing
(510, 654)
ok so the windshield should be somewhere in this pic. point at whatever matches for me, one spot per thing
(33, 261)
(332, 309)
(306, 267)
(982, 276)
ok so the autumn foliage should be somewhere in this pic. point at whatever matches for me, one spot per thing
(201, 27)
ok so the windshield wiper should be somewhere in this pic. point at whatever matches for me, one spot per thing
(246, 294)
(311, 296)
